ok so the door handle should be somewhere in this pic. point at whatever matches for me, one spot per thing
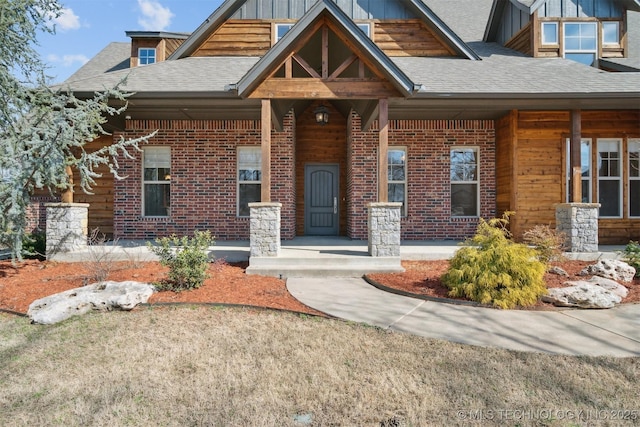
(335, 205)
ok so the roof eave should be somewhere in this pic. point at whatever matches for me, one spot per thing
(442, 29)
(214, 20)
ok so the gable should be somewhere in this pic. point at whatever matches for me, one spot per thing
(405, 27)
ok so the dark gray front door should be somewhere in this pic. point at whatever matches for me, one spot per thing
(321, 200)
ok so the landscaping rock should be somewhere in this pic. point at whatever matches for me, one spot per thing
(558, 271)
(583, 294)
(610, 285)
(98, 296)
(611, 269)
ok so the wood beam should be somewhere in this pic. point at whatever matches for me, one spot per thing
(308, 68)
(514, 206)
(308, 88)
(325, 52)
(67, 195)
(383, 149)
(574, 156)
(265, 142)
(288, 68)
(350, 60)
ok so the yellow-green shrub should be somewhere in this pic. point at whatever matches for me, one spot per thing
(492, 269)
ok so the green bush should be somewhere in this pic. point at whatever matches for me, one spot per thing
(631, 255)
(492, 269)
(34, 245)
(187, 259)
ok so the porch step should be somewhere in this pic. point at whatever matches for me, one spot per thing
(339, 266)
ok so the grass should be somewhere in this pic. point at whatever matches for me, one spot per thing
(238, 367)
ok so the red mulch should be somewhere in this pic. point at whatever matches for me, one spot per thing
(423, 278)
(228, 283)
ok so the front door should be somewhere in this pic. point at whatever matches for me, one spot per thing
(321, 200)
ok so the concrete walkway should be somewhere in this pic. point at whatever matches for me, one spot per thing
(612, 332)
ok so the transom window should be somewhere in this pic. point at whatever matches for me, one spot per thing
(581, 42)
(465, 197)
(609, 177)
(397, 176)
(146, 55)
(634, 177)
(249, 178)
(550, 33)
(156, 181)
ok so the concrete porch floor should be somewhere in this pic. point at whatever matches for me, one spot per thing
(312, 253)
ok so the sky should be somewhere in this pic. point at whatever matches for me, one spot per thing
(87, 26)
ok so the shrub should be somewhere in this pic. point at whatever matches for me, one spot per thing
(547, 241)
(492, 269)
(34, 245)
(187, 259)
(631, 255)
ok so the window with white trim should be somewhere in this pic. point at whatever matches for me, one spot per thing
(397, 176)
(465, 195)
(156, 181)
(249, 178)
(365, 27)
(549, 33)
(581, 42)
(610, 33)
(585, 165)
(281, 30)
(609, 177)
(146, 55)
(634, 178)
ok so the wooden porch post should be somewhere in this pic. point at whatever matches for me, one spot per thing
(67, 195)
(574, 157)
(265, 195)
(383, 148)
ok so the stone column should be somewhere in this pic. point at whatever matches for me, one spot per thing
(579, 222)
(265, 229)
(384, 229)
(67, 227)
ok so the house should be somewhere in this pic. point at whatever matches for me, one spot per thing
(457, 110)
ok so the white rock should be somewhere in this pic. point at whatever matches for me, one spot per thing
(583, 295)
(98, 296)
(610, 285)
(611, 269)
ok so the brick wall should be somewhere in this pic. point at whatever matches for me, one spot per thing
(428, 146)
(203, 178)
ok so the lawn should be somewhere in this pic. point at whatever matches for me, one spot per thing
(240, 367)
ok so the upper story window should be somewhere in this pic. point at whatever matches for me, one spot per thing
(550, 33)
(146, 55)
(611, 32)
(281, 30)
(581, 42)
(366, 28)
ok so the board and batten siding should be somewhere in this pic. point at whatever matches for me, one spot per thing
(295, 9)
(531, 166)
(513, 20)
(581, 9)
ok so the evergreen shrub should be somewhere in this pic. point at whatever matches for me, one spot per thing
(492, 269)
(631, 255)
(187, 259)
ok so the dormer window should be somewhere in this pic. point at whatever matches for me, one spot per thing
(611, 33)
(281, 30)
(146, 56)
(549, 33)
(581, 42)
(366, 28)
